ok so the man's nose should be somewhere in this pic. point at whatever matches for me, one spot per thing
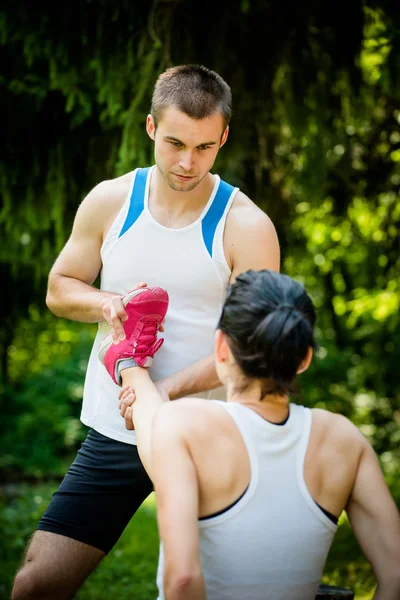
(186, 160)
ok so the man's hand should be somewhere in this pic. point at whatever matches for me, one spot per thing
(127, 397)
(114, 314)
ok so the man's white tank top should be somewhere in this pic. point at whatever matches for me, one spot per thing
(272, 544)
(189, 263)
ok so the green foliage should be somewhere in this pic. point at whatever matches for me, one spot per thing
(41, 404)
(18, 519)
(82, 98)
(314, 141)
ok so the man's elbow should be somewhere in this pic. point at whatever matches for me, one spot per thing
(53, 296)
(50, 303)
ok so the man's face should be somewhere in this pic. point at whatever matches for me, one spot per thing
(185, 149)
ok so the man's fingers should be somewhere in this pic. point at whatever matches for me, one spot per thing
(126, 402)
(114, 314)
(117, 317)
(122, 392)
(129, 419)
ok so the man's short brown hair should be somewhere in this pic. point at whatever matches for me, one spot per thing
(193, 89)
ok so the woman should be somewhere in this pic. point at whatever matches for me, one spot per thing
(249, 490)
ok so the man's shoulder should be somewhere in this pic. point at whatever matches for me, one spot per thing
(246, 216)
(243, 203)
(250, 239)
(111, 189)
(104, 201)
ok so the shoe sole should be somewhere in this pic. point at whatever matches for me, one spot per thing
(105, 344)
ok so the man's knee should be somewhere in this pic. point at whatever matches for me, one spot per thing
(35, 579)
(21, 585)
(55, 567)
(32, 583)
(29, 585)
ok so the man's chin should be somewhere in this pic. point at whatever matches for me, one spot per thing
(182, 186)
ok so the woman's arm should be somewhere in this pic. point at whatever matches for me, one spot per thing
(148, 400)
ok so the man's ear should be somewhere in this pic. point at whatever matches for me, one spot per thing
(224, 136)
(305, 363)
(221, 347)
(150, 127)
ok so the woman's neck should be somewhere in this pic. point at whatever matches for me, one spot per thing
(272, 407)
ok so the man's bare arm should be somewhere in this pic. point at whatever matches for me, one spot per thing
(250, 240)
(70, 291)
(376, 523)
(201, 376)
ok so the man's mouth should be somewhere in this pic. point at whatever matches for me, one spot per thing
(183, 177)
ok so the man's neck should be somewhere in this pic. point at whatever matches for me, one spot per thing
(176, 202)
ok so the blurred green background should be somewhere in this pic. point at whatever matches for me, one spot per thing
(314, 141)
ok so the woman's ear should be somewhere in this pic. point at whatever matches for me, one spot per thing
(221, 347)
(305, 363)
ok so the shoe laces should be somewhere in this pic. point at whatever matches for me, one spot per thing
(146, 340)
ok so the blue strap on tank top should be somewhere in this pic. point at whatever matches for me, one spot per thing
(136, 202)
(210, 222)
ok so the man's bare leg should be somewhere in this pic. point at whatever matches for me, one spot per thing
(55, 567)
(147, 402)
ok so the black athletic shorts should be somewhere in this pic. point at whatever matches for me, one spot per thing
(102, 490)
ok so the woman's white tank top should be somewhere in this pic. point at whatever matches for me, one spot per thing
(189, 263)
(273, 543)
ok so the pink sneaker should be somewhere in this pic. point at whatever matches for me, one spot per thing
(146, 309)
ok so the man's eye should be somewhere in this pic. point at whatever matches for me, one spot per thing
(176, 144)
(204, 147)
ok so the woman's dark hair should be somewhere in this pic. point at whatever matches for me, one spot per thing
(269, 320)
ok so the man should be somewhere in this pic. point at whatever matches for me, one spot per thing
(249, 491)
(174, 225)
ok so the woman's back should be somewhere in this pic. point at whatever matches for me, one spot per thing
(261, 531)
